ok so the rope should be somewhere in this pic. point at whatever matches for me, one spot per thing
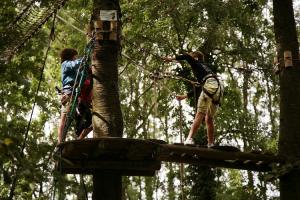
(160, 75)
(26, 25)
(181, 141)
(54, 186)
(22, 13)
(84, 186)
(143, 50)
(70, 24)
(165, 75)
(195, 97)
(14, 182)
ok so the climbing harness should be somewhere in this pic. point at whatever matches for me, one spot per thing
(81, 75)
(219, 88)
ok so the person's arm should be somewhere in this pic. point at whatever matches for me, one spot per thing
(184, 56)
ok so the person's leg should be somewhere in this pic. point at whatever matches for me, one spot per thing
(210, 129)
(61, 126)
(196, 124)
(64, 110)
(200, 114)
(212, 87)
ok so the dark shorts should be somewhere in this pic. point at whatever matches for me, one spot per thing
(83, 117)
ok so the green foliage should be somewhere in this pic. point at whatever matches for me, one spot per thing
(237, 39)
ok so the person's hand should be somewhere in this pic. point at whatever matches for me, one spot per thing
(180, 97)
(168, 59)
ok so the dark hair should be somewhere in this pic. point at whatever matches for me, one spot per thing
(199, 55)
(68, 54)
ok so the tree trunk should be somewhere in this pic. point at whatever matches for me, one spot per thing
(107, 115)
(289, 137)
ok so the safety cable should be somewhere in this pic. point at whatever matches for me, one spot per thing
(70, 24)
(160, 75)
(166, 75)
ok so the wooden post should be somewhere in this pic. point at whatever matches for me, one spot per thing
(107, 186)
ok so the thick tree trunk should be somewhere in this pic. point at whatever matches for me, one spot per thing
(107, 186)
(289, 138)
(107, 115)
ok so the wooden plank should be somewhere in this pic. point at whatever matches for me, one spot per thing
(215, 154)
(119, 148)
(220, 163)
(129, 168)
(133, 156)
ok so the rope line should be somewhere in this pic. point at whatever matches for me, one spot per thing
(70, 24)
(165, 74)
(26, 25)
(160, 75)
(14, 182)
(84, 187)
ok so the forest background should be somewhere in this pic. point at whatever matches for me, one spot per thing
(238, 40)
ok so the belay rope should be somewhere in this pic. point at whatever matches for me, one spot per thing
(82, 73)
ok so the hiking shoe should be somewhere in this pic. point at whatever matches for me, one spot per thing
(210, 145)
(188, 141)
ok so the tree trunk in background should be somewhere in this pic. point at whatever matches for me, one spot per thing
(107, 116)
(289, 137)
(245, 130)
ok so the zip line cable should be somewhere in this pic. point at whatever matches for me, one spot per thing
(70, 24)
(166, 75)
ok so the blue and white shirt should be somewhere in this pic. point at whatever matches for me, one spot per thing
(69, 70)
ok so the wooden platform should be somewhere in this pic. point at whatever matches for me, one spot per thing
(133, 157)
(215, 157)
(119, 155)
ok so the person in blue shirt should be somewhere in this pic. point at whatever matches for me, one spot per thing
(210, 97)
(69, 66)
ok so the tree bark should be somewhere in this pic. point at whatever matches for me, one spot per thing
(107, 116)
(289, 78)
(107, 186)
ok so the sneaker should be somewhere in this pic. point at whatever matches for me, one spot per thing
(188, 141)
(210, 145)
